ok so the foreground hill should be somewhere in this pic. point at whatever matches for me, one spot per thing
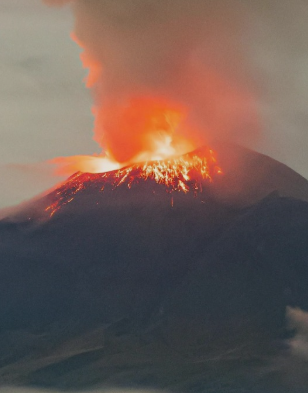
(123, 287)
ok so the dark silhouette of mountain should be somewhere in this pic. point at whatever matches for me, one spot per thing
(142, 287)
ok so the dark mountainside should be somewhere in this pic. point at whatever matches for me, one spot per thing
(120, 288)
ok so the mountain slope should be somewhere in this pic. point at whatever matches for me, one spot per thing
(250, 176)
(133, 287)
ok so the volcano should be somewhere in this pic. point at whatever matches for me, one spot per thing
(175, 275)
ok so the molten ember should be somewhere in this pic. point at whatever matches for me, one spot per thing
(185, 174)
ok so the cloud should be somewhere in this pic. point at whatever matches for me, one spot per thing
(289, 367)
(298, 320)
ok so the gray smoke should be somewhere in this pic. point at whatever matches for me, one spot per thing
(184, 52)
(239, 67)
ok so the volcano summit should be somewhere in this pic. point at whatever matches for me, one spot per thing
(182, 283)
(186, 173)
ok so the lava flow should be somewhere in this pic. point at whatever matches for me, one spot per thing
(186, 173)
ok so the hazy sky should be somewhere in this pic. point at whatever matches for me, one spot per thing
(45, 110)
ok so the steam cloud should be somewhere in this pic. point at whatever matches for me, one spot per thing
(291, 366)
(185, 54)
(298, 320)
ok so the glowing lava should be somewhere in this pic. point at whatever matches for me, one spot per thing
(144, 140)
(185, 174)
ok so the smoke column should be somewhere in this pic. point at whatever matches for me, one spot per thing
(164, 69)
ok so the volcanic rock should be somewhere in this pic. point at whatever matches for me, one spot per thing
(142, 287)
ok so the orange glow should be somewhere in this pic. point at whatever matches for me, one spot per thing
(142, 128)
(187, 173)
(91, 164)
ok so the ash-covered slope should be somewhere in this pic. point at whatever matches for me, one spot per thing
(250, 176)
(127, 287)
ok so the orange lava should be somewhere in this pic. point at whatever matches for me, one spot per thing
(185, 174)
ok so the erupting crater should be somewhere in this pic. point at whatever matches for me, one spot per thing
(186, 173)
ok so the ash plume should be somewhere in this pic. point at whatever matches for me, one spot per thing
(184, 54)
(239, 66)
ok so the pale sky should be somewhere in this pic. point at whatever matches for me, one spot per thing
(45, 110)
